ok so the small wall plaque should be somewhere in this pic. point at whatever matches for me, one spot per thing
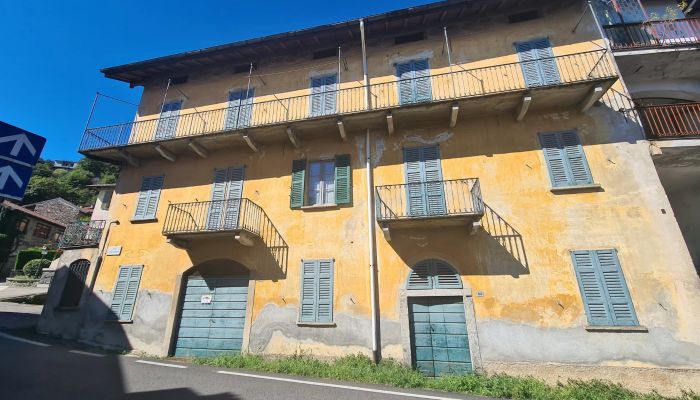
(114, 250)
(206, 299)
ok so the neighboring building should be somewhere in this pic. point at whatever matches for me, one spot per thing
(62, 164)
(57, 209)
(70, 274)
(657, 48)
(474, 207)
(34, 229)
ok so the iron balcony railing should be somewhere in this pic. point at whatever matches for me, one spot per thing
(458, 197)
(678, 32)
(670, 120)
(82, 234)
(459, 84)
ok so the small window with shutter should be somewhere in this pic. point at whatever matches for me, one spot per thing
(604, 291)
(323, 182)
(147, 202)
(125, 292)
(433, 274)
(316, 299)
(565, 159)
(414, 81)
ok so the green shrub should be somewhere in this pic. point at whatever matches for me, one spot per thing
(33, 267)
(32, 253)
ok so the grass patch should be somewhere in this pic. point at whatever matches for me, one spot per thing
(359, 368)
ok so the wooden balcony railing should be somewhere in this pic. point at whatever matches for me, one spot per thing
(459, 84)
(678, 32)
(82, 234)
(435, 199)
(671, 120)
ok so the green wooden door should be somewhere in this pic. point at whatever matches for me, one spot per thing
(439, 340)
(213, 316)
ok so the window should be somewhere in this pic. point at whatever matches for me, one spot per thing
(537, 63)
(414, 81)
(42, 230)
(323, 94)
(147, 202)
(240, 108)
(329, 182)
(603, 288)
(22, 225)
(106, 199)
(226, 193)
(433, 274)
(125, 291)
(565, 159)
(56, 236)
(167, 124)
(316, 305)
(75, 283)
(424, 186)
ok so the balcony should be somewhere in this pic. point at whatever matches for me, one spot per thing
(577, 80)
(654, 34)
(429, 204)
(671, 121)
(81, 234)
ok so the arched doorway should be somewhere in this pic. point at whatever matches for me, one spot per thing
(213, 308)
(439, 312)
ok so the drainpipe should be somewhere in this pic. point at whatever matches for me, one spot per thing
(371, 232)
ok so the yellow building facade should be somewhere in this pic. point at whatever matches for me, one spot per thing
(464, 238)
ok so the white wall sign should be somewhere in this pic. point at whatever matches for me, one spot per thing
(114, 250)
(206, 299)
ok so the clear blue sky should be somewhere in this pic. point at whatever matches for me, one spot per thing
(51, 51)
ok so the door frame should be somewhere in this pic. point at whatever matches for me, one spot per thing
(466, 294)
(173, 324)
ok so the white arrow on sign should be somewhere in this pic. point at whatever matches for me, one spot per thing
(20, 140)
(9, 172)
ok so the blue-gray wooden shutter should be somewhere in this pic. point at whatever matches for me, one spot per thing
(343, 179)
(218, 197)
(603, 288)
(125, 292)
(537, 63)
(618, 296)
(240, 107)
(432, 170)
(444, 277)
(323, 95)
(423, 88)
(307, 312)
(415, 198)
(565, 159)
(404, 73)
(324, 290)
(149, 194)
(233, 196)
(329, 95)
(296, 197)
(529, 64)
(419, 278)
(167, 123)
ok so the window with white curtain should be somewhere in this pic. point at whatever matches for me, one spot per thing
(321, 188)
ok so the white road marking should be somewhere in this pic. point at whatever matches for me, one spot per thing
(85, 353)
(360, 389)
(19, 339)
(160, 364)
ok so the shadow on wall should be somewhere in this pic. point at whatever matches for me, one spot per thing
(508, 239)
(66, 371)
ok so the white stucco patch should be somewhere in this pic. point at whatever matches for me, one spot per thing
(401, 58)
(439, 138)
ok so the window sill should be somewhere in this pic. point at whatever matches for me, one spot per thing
(319, 207)
(317, 324)
(594, 187)
(146, 220)
(608, 328)
(119, 321)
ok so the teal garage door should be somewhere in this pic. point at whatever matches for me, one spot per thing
(439, 341)
(212, 318)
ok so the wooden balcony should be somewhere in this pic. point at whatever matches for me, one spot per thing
(429, 204)
(578, 80)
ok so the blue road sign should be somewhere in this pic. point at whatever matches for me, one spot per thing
(19, 152)
(14, 179)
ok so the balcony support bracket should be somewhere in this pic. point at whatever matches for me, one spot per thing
(165, 153)
(245, 239)
(524, 106)
(180, 244)
(387, 233)
(594, 95)
(341, 129)
(390, 123)
(250, 142)
(476, 227)
(454, 114)
(293, 137)
(131, 160)
(198, 148)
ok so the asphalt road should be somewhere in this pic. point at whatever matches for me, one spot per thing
(36, 367)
